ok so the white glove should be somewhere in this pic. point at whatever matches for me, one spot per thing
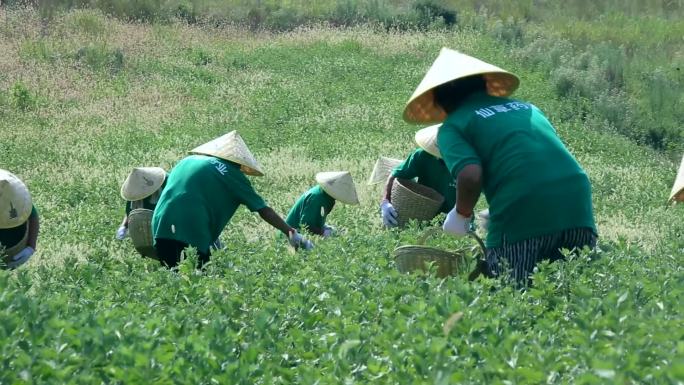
(328, 231)
(456, 224)
(483, 219)
(297, 241)
(21, 257)
(389, 214)
(121, 233)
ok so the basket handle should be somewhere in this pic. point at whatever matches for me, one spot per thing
(431, 231)
(428, 233)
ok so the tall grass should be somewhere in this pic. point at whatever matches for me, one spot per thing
(616, 63)
(85, 97)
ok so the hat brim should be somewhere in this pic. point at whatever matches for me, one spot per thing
(422, 109)
(131, 193)
(350, 197)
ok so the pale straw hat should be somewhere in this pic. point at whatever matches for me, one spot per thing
(15, 201)
(451, 65)
(142, 182)
(382, 169)
(427, 140)
(339, 185)
(677, 194)
(231, 147)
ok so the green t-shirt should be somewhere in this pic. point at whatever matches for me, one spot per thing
(311, 209)
(533, 185)
(431, 172)
(201, 195)
(148, 203)
(12, 236)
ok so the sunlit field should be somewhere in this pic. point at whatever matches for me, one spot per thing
(85, 97)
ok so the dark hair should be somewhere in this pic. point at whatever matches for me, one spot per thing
(450, 95)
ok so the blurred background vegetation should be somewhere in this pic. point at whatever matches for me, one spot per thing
(616, 63)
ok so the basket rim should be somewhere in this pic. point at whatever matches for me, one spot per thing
(406, 184)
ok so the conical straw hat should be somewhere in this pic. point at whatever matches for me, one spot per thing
(142, 182)
(427, 140)
(382, 169)
(15, 201)
(451, 65)
(231, 147)
(339, 185)
(677, 194)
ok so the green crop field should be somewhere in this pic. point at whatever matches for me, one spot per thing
(86, 95)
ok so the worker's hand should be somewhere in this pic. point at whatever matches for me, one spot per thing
(389, 214)
(483, 219)
(297, 241)
(328, 231)
(456, 224)
(121, 233)
(21, 257)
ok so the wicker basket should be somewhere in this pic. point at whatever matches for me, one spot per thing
(414, 201)
(414, 257)
(140, 231)
(6, 254)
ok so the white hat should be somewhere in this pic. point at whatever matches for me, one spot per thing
(451, 65)
(382, 169)
(427, 140)
(231, 147)
(15, 201)
(142, 182)
(677, 194)
(339, 185)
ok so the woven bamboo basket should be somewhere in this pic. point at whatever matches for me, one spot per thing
(448, 263)
(414, 201)
(8, 253)
(140, 231)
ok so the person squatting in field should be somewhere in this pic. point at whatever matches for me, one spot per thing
(141, 190)
(426, 165)
(202, 193)
(539, 197)
(312, 208)
(19, 222)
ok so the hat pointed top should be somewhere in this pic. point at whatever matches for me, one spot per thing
(452, 65)
(339, 185)
(677, 194)
(142, 182)
(231, 147)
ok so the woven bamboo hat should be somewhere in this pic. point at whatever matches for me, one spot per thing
(382, 169)
(451, 65)
(427, 140)
(231, 147)
(15, 201)
(142, 182)
(339, 185)
(677, 194)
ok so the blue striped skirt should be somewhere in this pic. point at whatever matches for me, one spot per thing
(519, 258)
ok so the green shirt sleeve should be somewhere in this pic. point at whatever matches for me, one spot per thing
(244, 191)
(456, 151)
(409, 168)
(34, 212)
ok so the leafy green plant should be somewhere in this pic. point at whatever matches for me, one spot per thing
(89, 309)
(22, 98)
